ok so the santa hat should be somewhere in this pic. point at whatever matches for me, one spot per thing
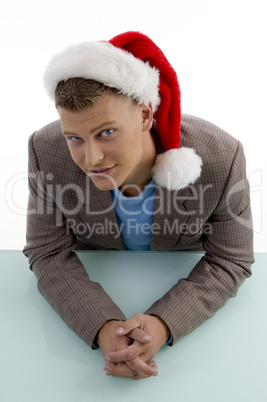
(132, 63)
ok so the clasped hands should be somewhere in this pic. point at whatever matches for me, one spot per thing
(129, 347)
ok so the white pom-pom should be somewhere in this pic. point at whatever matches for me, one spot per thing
(177, 168)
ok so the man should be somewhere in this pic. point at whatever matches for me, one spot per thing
(122, 169)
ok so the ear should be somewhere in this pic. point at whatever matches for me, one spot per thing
(147, 116)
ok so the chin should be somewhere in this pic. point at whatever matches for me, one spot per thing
(104, 185)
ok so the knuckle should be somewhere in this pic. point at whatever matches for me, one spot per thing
(137, 334)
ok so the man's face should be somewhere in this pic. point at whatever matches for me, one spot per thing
(110, 141)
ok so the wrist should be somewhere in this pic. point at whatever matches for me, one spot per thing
(165, 331)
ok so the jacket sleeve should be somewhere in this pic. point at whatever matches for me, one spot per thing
(62, 279)
(225, 265)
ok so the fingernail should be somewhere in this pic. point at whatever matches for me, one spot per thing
(107, 357)
(119, 331)
(146, 338)
(155, 374)
(106, 368)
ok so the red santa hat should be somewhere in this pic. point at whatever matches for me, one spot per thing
(132, 63)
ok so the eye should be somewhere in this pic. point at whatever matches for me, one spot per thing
(75, 138)
(106, 133)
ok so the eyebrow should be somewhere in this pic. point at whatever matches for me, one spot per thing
(65, 133)
(98, 128)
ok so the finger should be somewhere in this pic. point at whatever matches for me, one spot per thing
(128, 326)
(142, 367)
(119, 370)
(129, 353)
(131, 356)
(122, 371)
(117, 373)
(139, 335)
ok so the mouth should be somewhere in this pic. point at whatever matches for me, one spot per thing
(100, 172)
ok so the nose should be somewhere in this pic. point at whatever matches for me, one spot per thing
(93, 154)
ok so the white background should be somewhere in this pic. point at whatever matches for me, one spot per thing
(218, 49)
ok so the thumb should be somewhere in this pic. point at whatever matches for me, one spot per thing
(132, 328)
(129, 325)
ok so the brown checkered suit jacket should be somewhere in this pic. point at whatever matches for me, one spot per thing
(214, 211)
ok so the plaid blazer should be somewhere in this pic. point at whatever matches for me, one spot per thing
(65, 210)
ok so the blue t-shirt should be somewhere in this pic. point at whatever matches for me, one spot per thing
(135, 217)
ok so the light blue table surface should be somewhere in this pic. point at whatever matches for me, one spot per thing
(42, 360)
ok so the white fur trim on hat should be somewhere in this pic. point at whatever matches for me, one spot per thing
(177, 168)
(112, 66)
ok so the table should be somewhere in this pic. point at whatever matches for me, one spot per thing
(42, 360)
